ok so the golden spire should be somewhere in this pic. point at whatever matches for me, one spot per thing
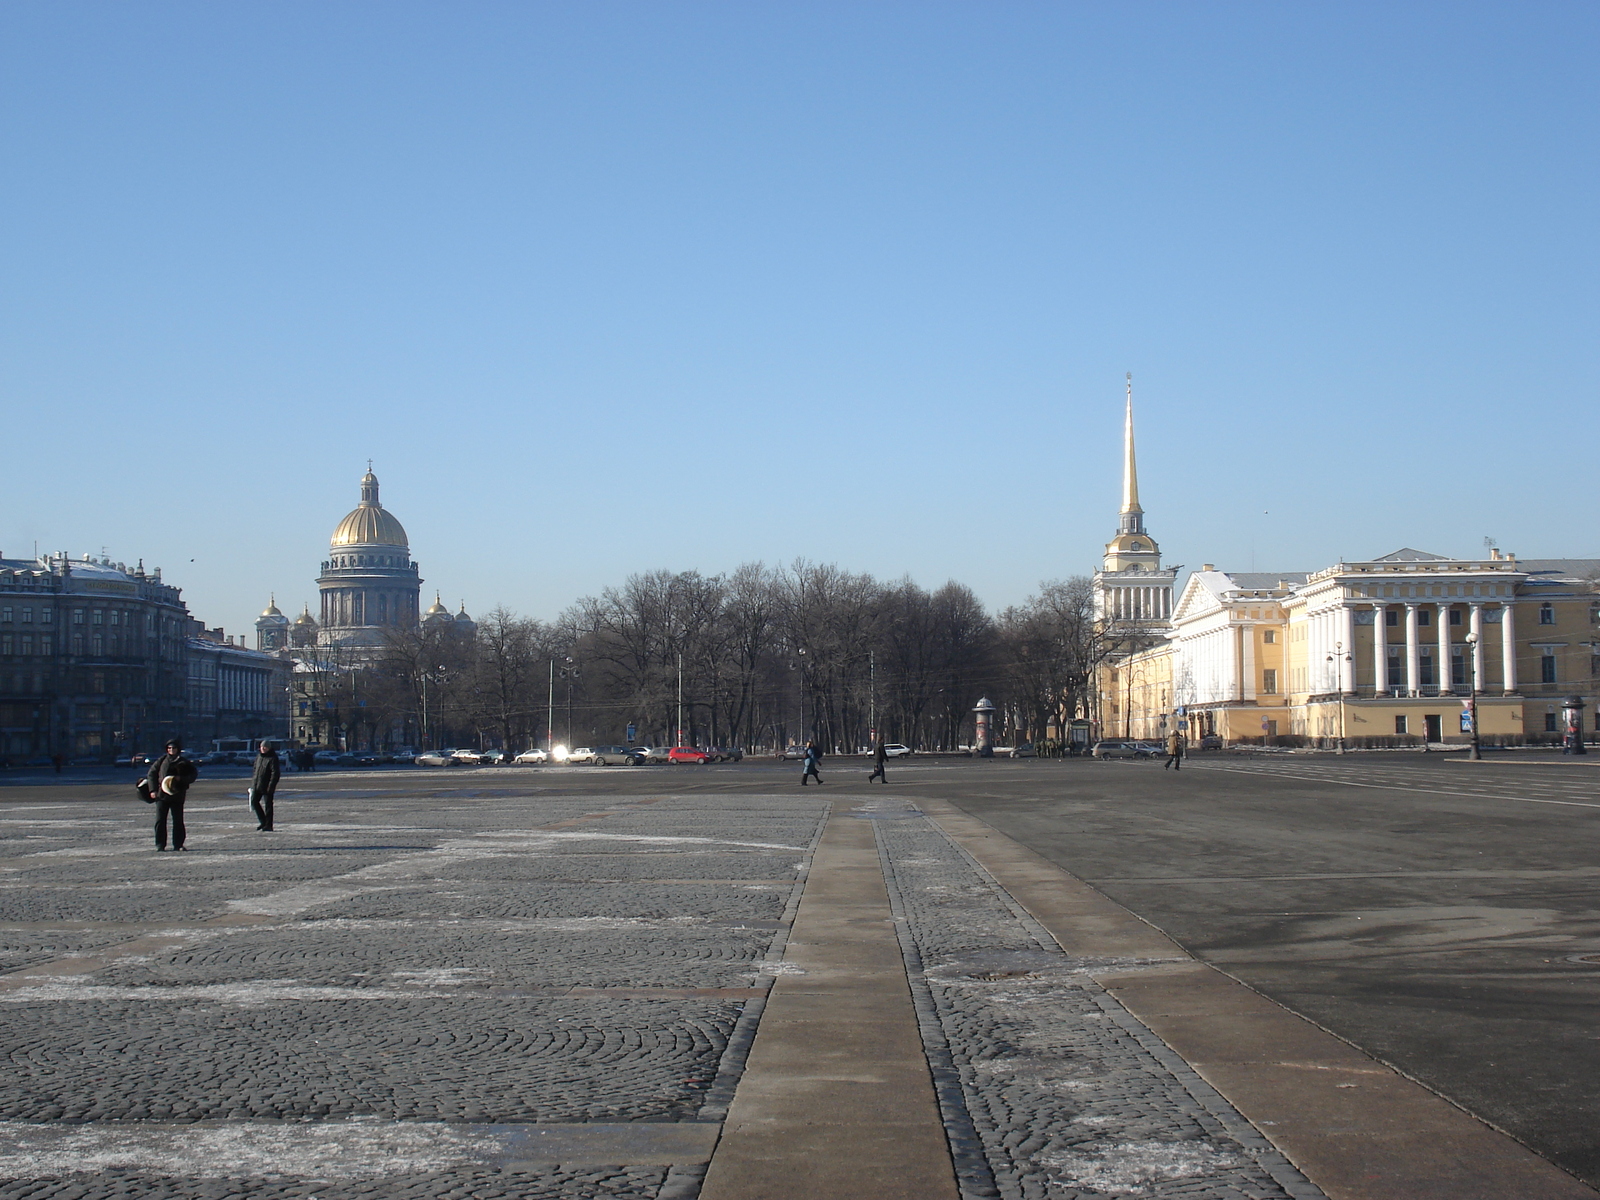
(1132, 515)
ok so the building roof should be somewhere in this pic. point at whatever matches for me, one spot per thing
(1407, 554)
(1264, 581)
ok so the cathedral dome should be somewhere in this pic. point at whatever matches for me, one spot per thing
(369, 523)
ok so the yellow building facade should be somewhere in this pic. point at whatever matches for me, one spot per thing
(1385, 652)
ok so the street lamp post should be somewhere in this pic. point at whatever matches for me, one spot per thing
(1337, 660)
(1472, 695)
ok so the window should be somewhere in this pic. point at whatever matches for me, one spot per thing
(113, 620)
(1547, 668)
(46, 615)
(1269, 636)
(1424, 617)
(27, 616)
(1400, 724)
(99, 617)
(1547, 615)
(47, 645)
(77, 616)
(1550, 723)
(5, 614)
(27, 643)
(1458, 670)
(1426, 671)
(99, 645)
(1391, 617)
(5, 646)
(77, 643)
(1269, 682)
(1455, 616)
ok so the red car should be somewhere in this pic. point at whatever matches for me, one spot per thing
(687, 754)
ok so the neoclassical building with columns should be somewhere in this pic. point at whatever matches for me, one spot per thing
(1379, 652)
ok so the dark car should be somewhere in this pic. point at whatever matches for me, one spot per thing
(604, 756)
(725, 753)
(1211, 741)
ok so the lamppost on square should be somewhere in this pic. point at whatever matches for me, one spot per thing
(1472, 695)
(1337, 660)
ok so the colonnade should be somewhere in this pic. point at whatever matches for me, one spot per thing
(1140, 603)
(1411, 684)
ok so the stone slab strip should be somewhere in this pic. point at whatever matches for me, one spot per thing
(1356, 1127)
(836, 1100)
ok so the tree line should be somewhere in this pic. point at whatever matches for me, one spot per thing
(761, 657)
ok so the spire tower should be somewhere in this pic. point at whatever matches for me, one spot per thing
(1132, 519)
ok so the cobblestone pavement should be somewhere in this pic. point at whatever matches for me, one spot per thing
(1050, 1088)
(429, 990)
(404, 991)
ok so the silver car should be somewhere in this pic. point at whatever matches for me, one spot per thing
(604, 756)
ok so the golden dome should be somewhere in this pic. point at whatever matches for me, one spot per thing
(305, 617)
(369, 524)
(272, 609)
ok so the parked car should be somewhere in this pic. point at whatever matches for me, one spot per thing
(1025, 750)
(467, 757)
(893, 750)
(1211, 741)
(333, 758)
(582, 754)
(493, 758)
(652, 754)
(725, 753)
(687, 754)
(435, 758)
(529, 757)
(1122, 748)
(604, 756)
(794, 752)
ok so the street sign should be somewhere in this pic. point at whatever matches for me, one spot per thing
(632, 733)
(1183, 724)
(1466, 721)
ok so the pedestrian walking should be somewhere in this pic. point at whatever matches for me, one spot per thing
(1174, 751)
(263, 784)
(880, 755)
(813, 761)
(169, 780)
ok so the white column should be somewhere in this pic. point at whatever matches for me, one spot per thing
(1442, 615)
(1475, 627)
(1347, 656)
(1413, 653)
(1508, 648)
(1380, 651)
(1247, 641)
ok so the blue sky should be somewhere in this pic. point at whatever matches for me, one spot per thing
(610, 287)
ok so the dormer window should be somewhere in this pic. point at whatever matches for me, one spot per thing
(1135, 545)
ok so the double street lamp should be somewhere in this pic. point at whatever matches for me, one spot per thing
(1472, 693)
(1336, 661)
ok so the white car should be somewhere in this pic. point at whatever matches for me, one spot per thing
(434, 758)
(896, 750)
(535, 755)
(469, 758)
(582, 754)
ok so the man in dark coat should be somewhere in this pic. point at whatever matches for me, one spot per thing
(880, 755)
(169, 780)
(813, 761)
(263, 785)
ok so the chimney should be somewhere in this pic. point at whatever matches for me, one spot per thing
(1208, 567)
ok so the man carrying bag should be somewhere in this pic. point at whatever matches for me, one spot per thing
(168, 781)
(262, 786)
